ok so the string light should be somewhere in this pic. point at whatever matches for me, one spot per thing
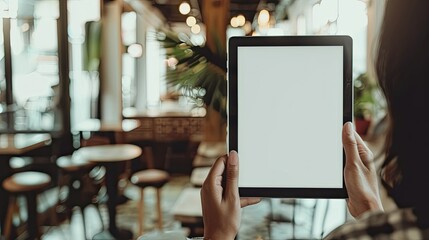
(196, 29)
(263, 17)
(135, 50)
(238, 21)
(234, 22)
(241, 20)
(247, 27)
(191, 21)
(184, 8)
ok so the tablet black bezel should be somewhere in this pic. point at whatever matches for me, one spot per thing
(234, 43)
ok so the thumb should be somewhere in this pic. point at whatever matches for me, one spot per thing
(349, 143)
(231, 188)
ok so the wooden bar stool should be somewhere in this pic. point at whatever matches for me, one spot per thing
(28, 184)
(150, 178)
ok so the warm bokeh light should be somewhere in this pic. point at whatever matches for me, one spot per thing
(247, 27)
(184, 8)
(172, 62)
(241, 20)
(234, 22)
(263, 17)
(135, 50)
(191, 21)
(196, 29)
(25, 27)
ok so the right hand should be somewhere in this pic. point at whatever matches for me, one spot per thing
(360, 174)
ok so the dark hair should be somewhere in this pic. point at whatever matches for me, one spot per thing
(402, 69)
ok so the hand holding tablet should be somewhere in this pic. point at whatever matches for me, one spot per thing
(288, 100)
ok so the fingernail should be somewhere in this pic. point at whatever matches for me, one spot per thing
(233, 160)
(349, 128)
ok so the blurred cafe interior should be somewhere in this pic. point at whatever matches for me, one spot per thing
(112, 112)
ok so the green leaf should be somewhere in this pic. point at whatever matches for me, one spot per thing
(196, 69)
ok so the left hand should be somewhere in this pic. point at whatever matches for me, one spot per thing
(222, 207)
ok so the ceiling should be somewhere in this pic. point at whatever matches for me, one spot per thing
(169, 8)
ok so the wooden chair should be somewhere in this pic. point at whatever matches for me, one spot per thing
(28, 184)
(149, 178)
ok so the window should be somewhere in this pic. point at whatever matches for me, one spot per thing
(30, 81)
(83, 35)
(347, 17)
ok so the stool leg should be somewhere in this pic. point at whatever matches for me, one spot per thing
(99, 215)
(33, 228)
(141, 212)
(4, 199)
(158, 206)
(9, 217)
(82, 209)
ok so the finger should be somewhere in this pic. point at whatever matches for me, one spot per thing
(231, 188)
(244, 202)
(364, 152)
(215, 171)
(350, 144)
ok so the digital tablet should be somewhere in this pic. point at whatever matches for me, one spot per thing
(288, 98)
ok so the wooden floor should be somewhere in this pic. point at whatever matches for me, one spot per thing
(74, 230)
(256, 223)
(255, 220)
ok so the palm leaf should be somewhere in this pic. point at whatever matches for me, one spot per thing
(199, 74)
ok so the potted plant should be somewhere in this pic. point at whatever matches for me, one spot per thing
(365, 102)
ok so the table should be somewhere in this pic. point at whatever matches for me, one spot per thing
(110, 156)
(188, 209)
(199, 175)
(115, 134)
(16, 145)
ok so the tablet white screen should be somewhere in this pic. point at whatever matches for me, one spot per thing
(290, 111)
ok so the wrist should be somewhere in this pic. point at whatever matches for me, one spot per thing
(377, 206)
(371, 206)
(374, 204)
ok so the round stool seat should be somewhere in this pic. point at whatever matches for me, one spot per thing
(73, 163)
(20, 162)
(150, 177)
(26, 182)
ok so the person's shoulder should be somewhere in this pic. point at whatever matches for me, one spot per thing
(395, 224)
